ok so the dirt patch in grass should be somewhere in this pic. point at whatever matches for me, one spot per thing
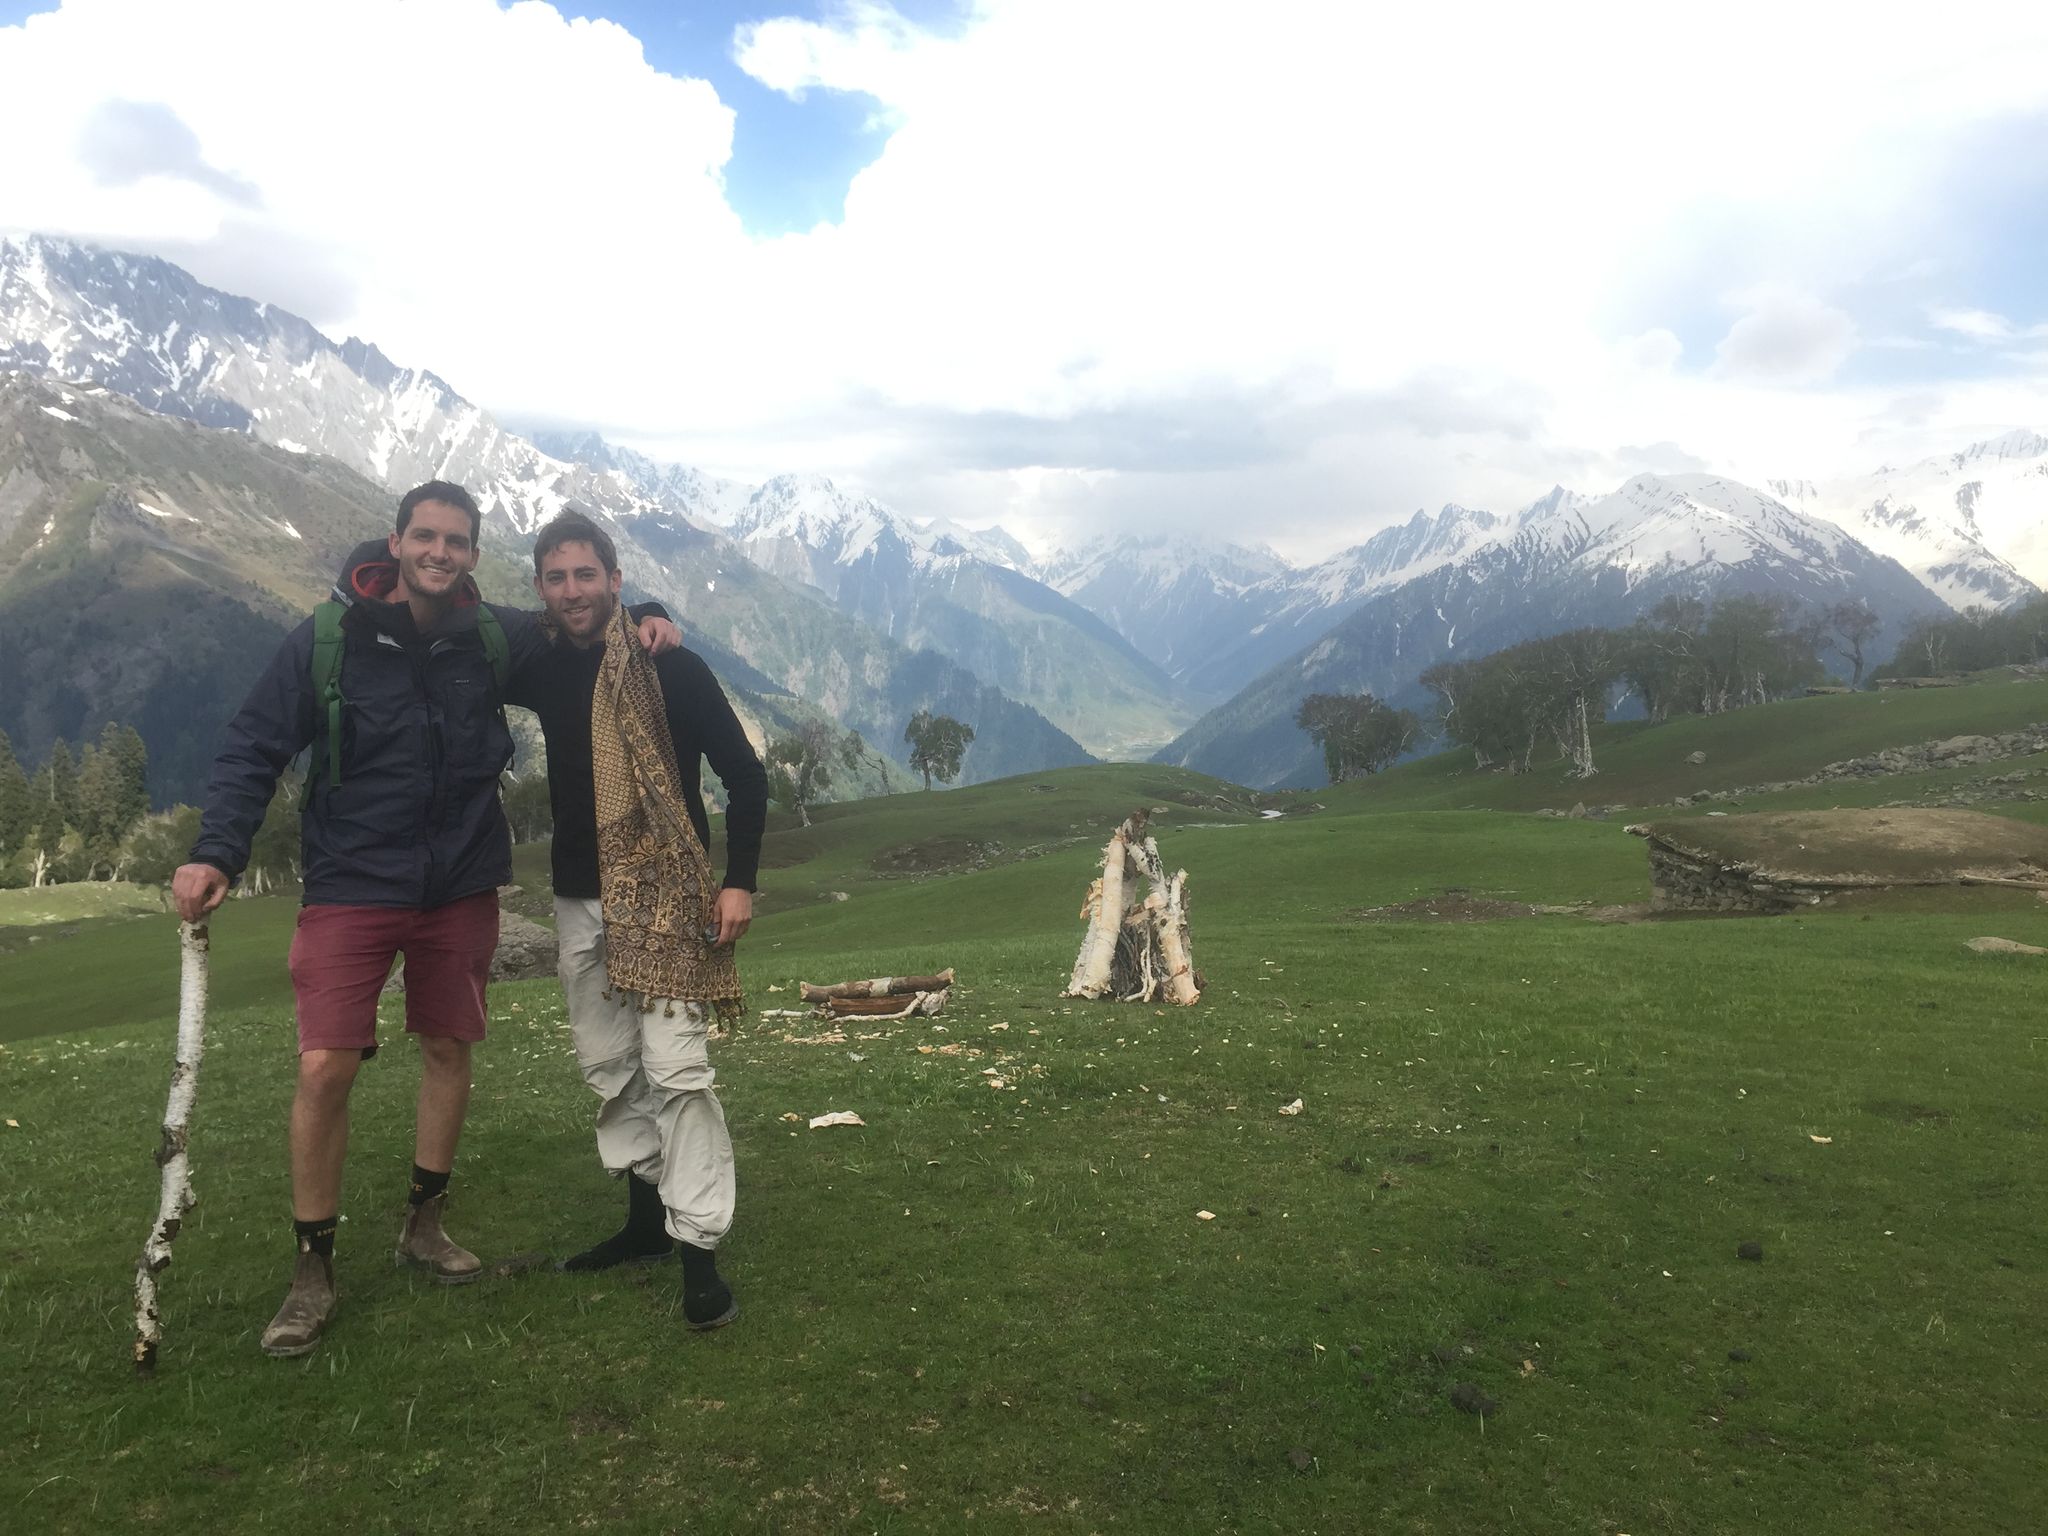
(1907, 1113)
(1447, 907)
(933, 855)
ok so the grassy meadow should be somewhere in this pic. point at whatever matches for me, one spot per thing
(1486, 1279)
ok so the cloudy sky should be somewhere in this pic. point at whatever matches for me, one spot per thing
(1288, 270)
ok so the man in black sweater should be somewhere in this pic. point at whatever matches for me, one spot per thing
(659, 1124)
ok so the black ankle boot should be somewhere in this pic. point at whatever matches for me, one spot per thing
(707, 1299)
(643, 1239)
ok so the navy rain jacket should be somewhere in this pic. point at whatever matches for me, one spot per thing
(416, 820)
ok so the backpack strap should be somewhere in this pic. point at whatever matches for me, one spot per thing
(497, 651)
(326, 677)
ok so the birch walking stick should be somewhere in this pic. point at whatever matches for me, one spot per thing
(172, 1152)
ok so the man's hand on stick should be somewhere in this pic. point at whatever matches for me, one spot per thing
(198, 889)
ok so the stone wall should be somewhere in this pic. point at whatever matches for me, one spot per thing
(1682, 882)
(1954, 752)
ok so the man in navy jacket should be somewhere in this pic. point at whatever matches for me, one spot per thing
(403, 853)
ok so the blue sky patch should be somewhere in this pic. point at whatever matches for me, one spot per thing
(792, 161)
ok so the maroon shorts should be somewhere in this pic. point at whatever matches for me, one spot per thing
(341, 958)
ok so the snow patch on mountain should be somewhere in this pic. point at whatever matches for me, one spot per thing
(1973, 526)
(149, 330)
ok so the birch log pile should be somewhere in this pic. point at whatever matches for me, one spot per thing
(173, 1155)
(1137, 948)
(881, 997)
(880, 986)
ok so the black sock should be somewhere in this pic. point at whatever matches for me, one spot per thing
(646, 1216)
(426, 1184)
(318, 1236)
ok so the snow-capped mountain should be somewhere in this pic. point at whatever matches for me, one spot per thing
(675, 488)
(1217, 615)
(1175, 599)
(931, 584)
(1972, 525)
(949, 589)
(144, 328)
(1564, 562)
(149, 330)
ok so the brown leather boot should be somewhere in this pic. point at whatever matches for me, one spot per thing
(308, 1306)
(423, 1245)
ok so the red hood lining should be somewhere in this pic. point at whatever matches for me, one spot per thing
(378, 579)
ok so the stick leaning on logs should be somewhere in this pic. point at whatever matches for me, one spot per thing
(172, 1153)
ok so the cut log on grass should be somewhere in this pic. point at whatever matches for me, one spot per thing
(926, 1003)
(1136, 950)
(172, 1153)
(880, 986)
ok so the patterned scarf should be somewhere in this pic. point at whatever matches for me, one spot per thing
(653, 875)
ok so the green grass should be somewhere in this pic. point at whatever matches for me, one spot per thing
(28, 909)
(1527, 1153)
(125, 970)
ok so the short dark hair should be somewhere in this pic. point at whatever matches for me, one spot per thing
(449, 493)
(572, 527)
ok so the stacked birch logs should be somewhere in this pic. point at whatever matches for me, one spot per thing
(1137, 949)
(884, 997)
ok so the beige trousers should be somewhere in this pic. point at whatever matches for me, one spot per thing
(657, 1115)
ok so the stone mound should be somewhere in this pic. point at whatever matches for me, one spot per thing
(1788, 859)
(526, 952)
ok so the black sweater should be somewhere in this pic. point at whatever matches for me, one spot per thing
(559, 689)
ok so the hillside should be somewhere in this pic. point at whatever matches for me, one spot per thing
(1645, 765)
(148, 568)
(199, 547)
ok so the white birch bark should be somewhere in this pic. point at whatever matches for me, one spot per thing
(172, 1153)
(1175, 946)
(1098, 948)
(927, 1004)
(879, 986)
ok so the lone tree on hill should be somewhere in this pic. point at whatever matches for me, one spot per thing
(1851, 626)
(1358, 734)
(937, 744)
(800, 764)
(1578, 669)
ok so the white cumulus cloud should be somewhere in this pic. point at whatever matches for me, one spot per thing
(1303, 264)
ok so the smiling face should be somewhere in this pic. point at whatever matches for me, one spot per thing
(577, 590)
(434, 553)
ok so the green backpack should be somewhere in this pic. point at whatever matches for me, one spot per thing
(326, 671)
